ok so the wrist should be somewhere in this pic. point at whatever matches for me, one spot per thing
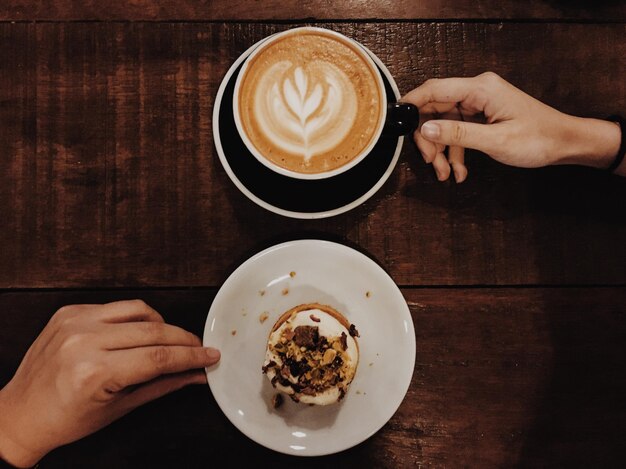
(11, 451)
(15, 455)
(588, 142)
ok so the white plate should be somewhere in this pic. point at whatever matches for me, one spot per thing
(327, 273)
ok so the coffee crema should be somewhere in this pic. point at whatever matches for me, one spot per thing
(309, 101)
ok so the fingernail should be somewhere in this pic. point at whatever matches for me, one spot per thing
(431, 130)
(443, 175)
(460, 173)
(213, 354)
(457, 175)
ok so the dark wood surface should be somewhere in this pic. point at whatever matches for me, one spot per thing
(244, 10)
(503, 377)
(110, 176)
(110, 188)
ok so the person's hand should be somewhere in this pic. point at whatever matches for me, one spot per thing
(89, 366)
(489, 114)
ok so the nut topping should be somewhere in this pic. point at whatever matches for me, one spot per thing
(288, 334)
(329, 356)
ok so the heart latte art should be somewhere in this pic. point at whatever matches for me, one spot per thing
(310, 102)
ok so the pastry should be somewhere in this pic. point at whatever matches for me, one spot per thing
(312, 354)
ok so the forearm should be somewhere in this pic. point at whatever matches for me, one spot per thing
(590, 142)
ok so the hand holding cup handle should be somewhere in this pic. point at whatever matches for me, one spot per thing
(445, 116)
(489, 114)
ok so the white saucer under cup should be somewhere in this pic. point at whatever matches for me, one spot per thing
(274, 281)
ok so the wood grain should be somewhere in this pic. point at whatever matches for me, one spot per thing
(503, 377)
(109, 175)
(244, 10)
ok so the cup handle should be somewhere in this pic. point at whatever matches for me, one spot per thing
(402, 119)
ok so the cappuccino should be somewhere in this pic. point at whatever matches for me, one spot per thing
(310, 101)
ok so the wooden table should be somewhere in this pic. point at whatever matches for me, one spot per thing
(110, 188)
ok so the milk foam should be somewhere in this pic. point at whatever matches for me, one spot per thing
(305, 110)
(310, 101)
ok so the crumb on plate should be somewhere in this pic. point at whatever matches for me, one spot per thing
(263, 317)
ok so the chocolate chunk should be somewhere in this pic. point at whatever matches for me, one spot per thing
(285, 371)
(353, 332)
(337, 362)
(283, 382)
(342, 393)
(277, 401)
(271, 364)
(344, 341)
(297, 368)
(309, 391)
(288, 333)
(306, 336)
(322, 344)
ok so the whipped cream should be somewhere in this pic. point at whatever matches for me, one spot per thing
(328, 327)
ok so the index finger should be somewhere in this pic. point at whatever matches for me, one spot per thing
(139, 365)
(128, 335)
(440, 90)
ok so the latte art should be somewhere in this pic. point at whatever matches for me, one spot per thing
(310, 101)
(308, 111)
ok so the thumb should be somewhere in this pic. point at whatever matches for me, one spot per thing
(482, 137)
(159, 387)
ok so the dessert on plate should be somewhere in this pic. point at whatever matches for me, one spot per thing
(312, 354)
